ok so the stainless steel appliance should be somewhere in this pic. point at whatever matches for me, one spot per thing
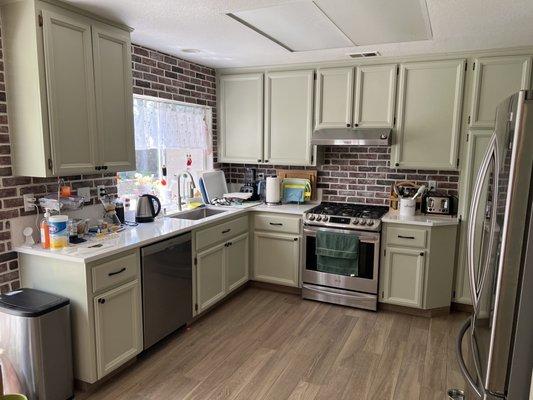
(146, 211)
(435, 203)
(166, 287)
(498, 336)
(361, 220)
(250, 183)
(35, 345)
(352, 136)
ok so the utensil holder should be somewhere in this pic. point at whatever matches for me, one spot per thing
(407, 207)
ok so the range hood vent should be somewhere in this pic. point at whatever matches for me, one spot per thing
(352, 137)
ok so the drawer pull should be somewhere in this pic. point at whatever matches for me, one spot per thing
(276, 224)
(101, 301)
(226, 231)
(405, 237)
(117, 272)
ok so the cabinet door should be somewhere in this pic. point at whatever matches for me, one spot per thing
(70, 89)
(118, 326)
(496, 78)
(478, 141)
(210, 276)
(276, 258)
(375, 95)
(237, 262)
(403, 277)
(429, 115)
(241, 118)
(289, 117)
(334, 98)
(114, 99)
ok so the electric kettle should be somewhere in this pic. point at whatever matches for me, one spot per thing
(146, 212)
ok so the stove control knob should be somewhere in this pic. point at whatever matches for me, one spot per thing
(370, 222)
(362, 221)
(355, 221)
(311, 217)
(319, 218)
(325, 219)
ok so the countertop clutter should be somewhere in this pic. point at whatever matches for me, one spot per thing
(394, 217)
(147, 233)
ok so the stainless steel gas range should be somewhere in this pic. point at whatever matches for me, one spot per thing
(355, 290)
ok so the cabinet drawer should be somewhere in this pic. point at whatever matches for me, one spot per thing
(218, 233)
(277, 223)
(115, 271)
(406, 237)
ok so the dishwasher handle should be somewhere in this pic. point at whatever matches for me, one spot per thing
(165, 244)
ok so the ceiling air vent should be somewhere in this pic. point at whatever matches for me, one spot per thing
(365, 54)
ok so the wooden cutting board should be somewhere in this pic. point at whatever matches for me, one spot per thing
(301, 174)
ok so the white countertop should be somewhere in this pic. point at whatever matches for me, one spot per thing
(420, 219)
(151, 232)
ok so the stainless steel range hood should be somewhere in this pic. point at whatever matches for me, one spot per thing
(352, 137)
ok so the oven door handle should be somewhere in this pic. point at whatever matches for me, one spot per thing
(365, 237)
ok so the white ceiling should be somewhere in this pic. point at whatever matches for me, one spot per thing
(174, 25)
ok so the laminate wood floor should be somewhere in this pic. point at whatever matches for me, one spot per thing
(268, 345)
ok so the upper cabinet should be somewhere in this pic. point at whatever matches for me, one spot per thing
(365, 100)
(289, 117)
(496, 78)
(375, 95)
(241, 118)
(69, 87)
(429, 115)
(334, 97)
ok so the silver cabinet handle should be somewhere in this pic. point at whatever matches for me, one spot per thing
(117, 272)
(460, 358)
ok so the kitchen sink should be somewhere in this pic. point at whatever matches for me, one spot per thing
(199, 213)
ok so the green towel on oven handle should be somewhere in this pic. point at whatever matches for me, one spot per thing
(337, 253)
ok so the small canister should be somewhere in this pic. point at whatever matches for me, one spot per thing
(407, 206)
(58, 231)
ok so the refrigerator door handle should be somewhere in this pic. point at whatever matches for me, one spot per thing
(460, 358)
(476, 285)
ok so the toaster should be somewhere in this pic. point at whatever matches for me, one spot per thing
(437, 204)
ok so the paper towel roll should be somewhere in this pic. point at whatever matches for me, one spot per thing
(273, 190)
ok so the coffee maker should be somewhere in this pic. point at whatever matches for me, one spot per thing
(250, 183)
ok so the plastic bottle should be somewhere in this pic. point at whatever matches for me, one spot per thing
(45, 231)
(58, 231)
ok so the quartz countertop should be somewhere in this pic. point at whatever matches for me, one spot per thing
(420, 219)
(143, 234)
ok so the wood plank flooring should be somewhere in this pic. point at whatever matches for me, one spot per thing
(268, 345)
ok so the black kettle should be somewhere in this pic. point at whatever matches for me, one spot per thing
(146, 212)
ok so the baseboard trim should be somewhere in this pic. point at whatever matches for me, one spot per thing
(462, 307)
(275, 287)
(434, 312)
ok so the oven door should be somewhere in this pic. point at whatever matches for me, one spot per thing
(367, 279)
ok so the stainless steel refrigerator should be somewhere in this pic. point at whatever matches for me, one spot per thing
(495, 344)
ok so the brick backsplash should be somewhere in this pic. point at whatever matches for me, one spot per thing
(359, 174)
(154, 74)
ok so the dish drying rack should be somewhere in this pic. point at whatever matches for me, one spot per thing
(56, 202)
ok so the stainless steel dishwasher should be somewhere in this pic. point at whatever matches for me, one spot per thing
(166, 287)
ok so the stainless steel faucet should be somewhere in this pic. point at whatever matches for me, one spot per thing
(184, 174)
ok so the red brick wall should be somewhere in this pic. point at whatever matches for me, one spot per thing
(360, 174)
(155, 74)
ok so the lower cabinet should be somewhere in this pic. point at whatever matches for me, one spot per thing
(276, 258)
(417, 265)
(118, 326)
(220, 270)
(403, 274)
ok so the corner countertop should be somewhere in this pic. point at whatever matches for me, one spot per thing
(393, 217)
(143, 234)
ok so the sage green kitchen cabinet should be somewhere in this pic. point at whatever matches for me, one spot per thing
(403, 281)
(478, 141)
(210, 276)
(114, 100)
(417, 265)
(276, 258)
(428, 119)
(288, 117)
(366, 100)
(334, 97)
(118, 326)
(375, 96)
(496, 78)
(68, 79)
(237, 262)
(241, 118)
